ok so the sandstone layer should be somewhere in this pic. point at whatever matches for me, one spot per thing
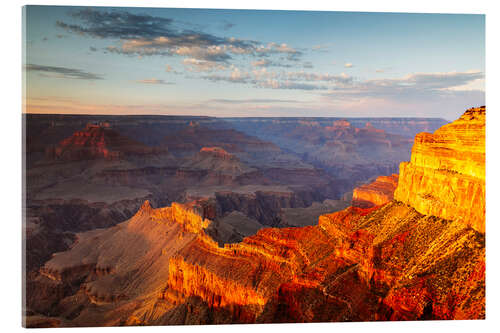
(376, 193)
(446, 174)
(402, 260)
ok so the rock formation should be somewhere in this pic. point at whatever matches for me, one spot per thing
(353, 149)
(97, 141)
(446, 174)
(379, 192)
(414, 258)
(217, 160)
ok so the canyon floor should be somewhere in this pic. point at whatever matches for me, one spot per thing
(151, 220)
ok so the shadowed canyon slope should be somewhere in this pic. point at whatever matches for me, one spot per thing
(97, 141)
(410, 258)
(100, 174)
(351, 149)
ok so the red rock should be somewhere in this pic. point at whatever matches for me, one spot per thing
(446, 174)
(388, 262)
(377, 193)
(98, 141)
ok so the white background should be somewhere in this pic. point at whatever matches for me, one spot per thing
(10, 155)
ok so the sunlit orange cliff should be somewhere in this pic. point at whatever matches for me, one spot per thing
(416, 254)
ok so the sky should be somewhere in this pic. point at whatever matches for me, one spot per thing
(231, 63)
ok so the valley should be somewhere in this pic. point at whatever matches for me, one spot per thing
(198, 220)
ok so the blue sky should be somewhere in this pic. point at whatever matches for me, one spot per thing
(252, 63)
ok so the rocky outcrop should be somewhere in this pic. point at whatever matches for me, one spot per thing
(98, 141)
(217, 162)
(446, 174)
(264, 206)
(195, 138)
(387, 262)
(216, 152)
(376, 193)
(351, 150)
(359, 264)
(407, 127)
(102, 265)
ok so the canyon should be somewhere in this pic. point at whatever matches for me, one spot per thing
(375, 193)
(250, 231)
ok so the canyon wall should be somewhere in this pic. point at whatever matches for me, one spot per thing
(420, 256)
(376, 193)
(446, 174)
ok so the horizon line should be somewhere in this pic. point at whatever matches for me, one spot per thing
(220, 117)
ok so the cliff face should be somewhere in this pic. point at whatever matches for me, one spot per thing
(395, 261)
(217, 161)
(390, 263)
(422, 258)
(446, 174)
(377, 193)
(109, 268)
(353, 150)
(97, 141)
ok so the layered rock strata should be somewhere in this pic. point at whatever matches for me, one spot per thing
(446, 174)
(376, 193)
(389, 262)
(98, 141)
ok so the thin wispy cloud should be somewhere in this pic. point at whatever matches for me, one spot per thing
(410, 87)
(320, 47)
(305, 76)
(253, 101)
(275, 84)
(62, 72)
(153, 81)
(262, 78)
(196, 65)
(269, 63)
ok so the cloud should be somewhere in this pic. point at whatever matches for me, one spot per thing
(62, 72)
(145, 35)
(262, 78)
(348, 65)
(236, 76)
(321, 47)
(153, 81)
(210, 53)
(93, 49)
(305, 76)
(117, 24)
(253, 101)
(195, 65)
(275, 84)
(269, 63)
(416, 86)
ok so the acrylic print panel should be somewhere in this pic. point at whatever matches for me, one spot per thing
(197, 166)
